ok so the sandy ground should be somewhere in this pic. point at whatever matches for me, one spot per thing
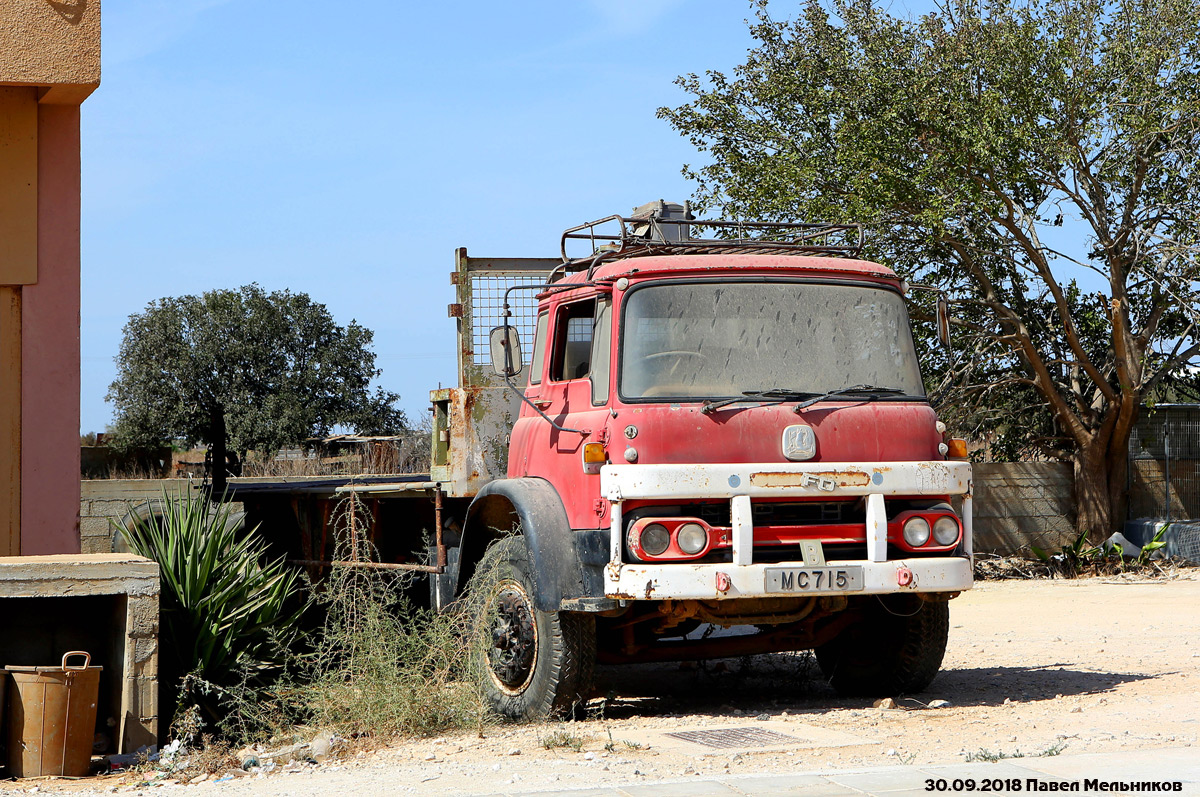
(1032, 668)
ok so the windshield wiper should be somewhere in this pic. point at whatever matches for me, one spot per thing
(778, 395)
(774, 395)
(868, 392)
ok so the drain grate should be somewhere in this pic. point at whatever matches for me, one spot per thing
(735, 737)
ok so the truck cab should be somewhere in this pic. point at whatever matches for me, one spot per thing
(728, 429)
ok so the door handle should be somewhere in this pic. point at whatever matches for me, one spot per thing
(541, 404)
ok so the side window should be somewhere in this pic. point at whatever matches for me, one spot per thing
(539, 350)
(601, 352)
(573, 341)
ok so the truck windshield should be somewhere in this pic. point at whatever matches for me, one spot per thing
(710, 340)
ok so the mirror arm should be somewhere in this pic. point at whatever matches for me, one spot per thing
(508, 359)
(941, 313)
(508, 356)
(508, 381)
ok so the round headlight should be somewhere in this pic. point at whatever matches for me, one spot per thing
(945, 530)
(655, 539)
(692, 538)
(916, 531)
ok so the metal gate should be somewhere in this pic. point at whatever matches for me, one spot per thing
(1164, 463)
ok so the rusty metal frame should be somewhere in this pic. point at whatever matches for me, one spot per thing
(801, 635)
(468, 309)
(472, 421)
(439, 543)
(626, 243)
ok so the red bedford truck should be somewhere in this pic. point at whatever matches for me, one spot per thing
(726, 430)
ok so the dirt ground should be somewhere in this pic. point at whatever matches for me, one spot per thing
(1032, 668)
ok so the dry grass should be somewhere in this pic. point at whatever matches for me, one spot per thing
(378, 667)
(210, 757)
(990, 567)
(385, 668)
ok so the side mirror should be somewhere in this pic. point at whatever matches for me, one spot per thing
(943, 320)
(506, 351)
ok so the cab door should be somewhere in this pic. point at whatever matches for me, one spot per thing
(573, 394)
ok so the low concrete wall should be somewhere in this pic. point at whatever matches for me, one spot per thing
(104, 500)
(106, 604)
(1019, 504)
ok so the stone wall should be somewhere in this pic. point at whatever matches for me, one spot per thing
(1018, 504)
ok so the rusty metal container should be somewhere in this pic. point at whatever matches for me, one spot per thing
(52, 718)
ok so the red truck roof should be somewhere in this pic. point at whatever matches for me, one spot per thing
(701, 263)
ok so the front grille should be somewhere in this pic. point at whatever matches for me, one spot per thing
(791, 553)
(799, 513)
(774, 554)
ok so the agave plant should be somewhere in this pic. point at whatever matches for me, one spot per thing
(223, 600)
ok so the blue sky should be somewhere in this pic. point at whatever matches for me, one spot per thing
(346, 150)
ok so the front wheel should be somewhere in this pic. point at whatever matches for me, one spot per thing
(896, 647)
(533, 664)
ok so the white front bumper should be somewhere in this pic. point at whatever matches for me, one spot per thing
(740, 483)
(684, 581)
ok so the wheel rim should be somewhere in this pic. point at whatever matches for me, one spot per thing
(512, 655)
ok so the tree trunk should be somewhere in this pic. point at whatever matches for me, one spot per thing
(1093, 499)
(218, 446)
(1101, 472)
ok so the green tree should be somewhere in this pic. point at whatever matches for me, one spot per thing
(245, 370)
(964, 139)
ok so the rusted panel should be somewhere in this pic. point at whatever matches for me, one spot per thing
(473, 422)
(827, 480)
(478, 422)
(317, 566)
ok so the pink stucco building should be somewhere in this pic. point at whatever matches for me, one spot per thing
(49, 64)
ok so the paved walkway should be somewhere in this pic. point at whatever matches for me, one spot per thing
(1110, 770)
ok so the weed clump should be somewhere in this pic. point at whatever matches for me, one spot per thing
(561, 738)
(990, 757)
(383, 667)
(1080, 559)
(378, 666)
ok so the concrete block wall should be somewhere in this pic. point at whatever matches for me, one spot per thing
(1019, 504)
(140, 687)
(105, 500)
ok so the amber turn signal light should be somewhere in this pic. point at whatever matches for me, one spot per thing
(594, 454)
(956, 448)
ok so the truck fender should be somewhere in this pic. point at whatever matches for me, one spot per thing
(530, 507)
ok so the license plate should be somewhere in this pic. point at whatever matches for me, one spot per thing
(814, 579)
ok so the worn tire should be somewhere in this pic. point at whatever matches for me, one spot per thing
(532, 665)
(887, 653)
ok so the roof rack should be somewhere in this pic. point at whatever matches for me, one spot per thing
(661, 228)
